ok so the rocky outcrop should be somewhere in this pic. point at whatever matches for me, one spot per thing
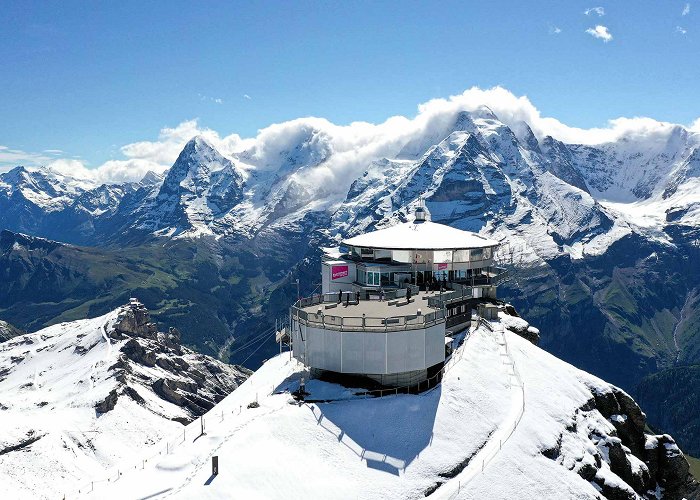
(107, 403)
(514, 323)
(135, 321)
(616, 454)
(178, 375)
(7, 331)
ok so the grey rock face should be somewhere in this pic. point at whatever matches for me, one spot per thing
(192, 381)
(664, 463)
(7, 331)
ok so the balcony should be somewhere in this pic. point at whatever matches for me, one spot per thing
(324, 311)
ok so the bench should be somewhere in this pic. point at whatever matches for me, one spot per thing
(392, 302)
(331, 306)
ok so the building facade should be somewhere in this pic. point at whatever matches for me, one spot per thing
(389, 298)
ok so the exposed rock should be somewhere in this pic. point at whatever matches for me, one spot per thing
(165, 391)
(514, 323)
(108, 403)
(7, 331)
(614, 425)
(192, 381)
(135, 321)
(137, 353)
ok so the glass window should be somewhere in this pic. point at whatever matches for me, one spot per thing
(461, 256)
(487, 253)
(442, 256)
(401, 255)
(476, 254)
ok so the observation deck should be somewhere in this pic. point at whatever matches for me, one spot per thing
(363, 324)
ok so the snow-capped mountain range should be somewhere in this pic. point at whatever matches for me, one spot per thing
(605, 238)
(477, 173)
(78, 398)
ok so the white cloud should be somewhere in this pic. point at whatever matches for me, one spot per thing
(686, 9)
(695, 126)
(681, 30)
(216, 100)
(599, 11)
(601, 32)
(246, 96)
(341, 153)
(554, 30)
(10, 157)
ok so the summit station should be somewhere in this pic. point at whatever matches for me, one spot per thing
(389, 300)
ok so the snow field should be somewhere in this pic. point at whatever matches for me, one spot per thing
(390, 447)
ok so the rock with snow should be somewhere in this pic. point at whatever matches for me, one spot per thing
(552, 431)
(76, 400)
(7, 331)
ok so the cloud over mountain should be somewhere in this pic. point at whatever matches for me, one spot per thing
(336, 154)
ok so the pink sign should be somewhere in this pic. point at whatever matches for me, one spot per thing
(338, 272)
(442, 267)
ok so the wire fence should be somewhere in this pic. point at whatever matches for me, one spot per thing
(213, 419)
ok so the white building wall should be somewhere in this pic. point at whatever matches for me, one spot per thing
(369, 352)
(331, 282)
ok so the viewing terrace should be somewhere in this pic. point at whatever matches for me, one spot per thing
(422, 310)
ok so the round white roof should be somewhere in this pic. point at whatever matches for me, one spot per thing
(420, 236)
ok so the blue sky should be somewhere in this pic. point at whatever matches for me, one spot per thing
(86, 78)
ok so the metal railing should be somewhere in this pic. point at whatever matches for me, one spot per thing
(457, 293)
(367, 323)
(359, 323)
(485, 458)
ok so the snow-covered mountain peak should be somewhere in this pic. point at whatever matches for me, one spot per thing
(152, 178)
(79, 397)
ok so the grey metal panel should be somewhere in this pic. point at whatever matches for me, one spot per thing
(397, 350)
(353, 352)
(434, 345)
(406, 351)
(366, 352)
(332, 351)
(297, 344)
(375, 352)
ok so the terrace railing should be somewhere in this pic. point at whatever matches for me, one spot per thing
(360, 323)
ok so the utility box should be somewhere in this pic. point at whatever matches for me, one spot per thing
(215, 465)
(488, 311)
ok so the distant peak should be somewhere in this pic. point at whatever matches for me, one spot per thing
(197, 142)
(151, 178)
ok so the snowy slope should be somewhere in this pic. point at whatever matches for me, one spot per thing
(410, 446)
(77, 398)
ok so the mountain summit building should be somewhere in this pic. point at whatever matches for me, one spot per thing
(389, 299)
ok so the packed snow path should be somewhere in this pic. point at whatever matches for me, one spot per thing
(505, 430)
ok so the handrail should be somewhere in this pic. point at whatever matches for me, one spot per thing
(368, 323)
